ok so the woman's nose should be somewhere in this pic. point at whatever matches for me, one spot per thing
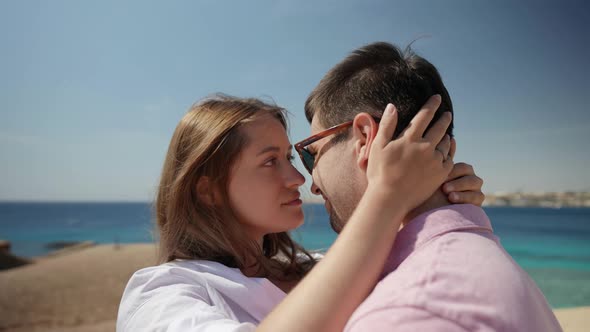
(294, 177)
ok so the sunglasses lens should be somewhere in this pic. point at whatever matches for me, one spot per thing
(308, 160)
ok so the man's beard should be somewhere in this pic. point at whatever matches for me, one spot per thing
(335, 222)
(341, 207)
(340, 218)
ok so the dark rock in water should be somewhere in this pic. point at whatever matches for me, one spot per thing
(8, 260)
(61, 244)
(5, 246)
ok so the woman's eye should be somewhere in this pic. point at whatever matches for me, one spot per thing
(271, 162)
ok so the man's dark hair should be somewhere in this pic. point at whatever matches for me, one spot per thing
(370, 78)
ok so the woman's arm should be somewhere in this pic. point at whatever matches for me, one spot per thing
(401, 174)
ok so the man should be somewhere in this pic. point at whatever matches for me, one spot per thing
(447, 271)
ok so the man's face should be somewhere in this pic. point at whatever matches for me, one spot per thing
(336, 176)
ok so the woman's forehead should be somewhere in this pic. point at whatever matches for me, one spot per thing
(264, 131)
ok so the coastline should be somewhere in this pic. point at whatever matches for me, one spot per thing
(79, 289)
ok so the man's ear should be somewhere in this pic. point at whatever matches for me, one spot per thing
(364, 130)
(205, 191)
(453, 148)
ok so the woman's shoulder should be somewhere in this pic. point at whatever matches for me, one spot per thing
(194, 272)
(168, 290)
(170, 279)
(152, 280)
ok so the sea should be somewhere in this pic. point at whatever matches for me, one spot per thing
(552, 245)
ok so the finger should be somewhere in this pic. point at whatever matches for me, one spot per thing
(461, 169)
(387, 125)
(422, 119)
(465, 183)
(439, 129)
(467, 197)
(444, 147)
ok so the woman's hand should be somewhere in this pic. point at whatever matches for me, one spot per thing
(463, 186)
(415, 164)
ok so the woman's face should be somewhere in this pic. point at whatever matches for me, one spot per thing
(264, 185)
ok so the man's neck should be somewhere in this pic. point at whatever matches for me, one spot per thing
(437, 200)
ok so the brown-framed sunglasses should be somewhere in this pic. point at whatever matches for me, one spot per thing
(307, 158)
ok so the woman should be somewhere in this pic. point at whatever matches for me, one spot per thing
(228, 195)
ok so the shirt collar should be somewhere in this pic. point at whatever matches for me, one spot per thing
(434, 223)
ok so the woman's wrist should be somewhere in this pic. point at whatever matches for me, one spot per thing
(388, 201)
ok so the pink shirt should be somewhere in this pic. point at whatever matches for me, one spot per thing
(448, 272)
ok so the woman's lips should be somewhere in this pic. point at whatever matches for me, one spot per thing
(295, 202)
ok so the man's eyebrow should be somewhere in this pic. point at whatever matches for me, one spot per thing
(272, 149)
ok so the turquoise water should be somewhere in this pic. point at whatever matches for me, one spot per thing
(552, 245)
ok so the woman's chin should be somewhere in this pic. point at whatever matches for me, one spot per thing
(291, 223)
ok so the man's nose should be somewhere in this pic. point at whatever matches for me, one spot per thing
(315, 189)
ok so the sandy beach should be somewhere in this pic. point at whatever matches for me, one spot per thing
(79, 289)
(574, 319)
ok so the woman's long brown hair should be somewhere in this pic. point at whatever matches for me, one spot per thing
(207, 142)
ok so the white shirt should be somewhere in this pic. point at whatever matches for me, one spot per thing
(195, 295)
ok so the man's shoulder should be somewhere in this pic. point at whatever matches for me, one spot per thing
(462, 277)
(456, 261)
(453, 258)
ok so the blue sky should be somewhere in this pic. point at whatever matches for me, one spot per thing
(90, 92)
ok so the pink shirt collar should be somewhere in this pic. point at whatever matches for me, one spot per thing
(431, 224)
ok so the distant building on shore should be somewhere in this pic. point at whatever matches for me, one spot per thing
(539, 199)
